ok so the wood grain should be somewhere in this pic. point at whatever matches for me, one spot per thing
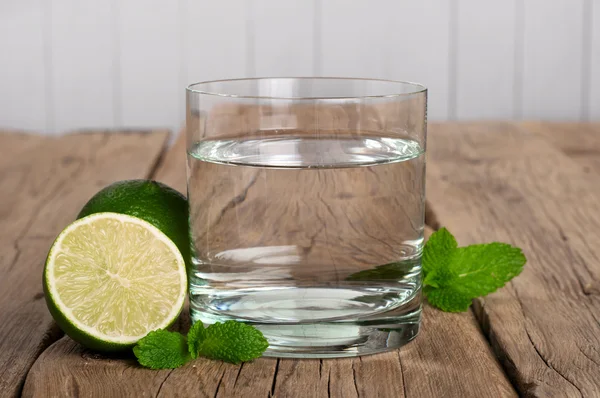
(435, 364)
(579, 141)
(497, 182)
(532, 185)
(44, 182)
(171, 168)
(66, 368)
(450, 358)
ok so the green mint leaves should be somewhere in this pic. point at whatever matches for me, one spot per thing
(162, 350)
(195, 338)
(454, 275)
(231, 341)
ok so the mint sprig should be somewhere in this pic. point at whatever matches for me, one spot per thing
(195, 337)
(454, 275)
(162, 350)
(231, 341)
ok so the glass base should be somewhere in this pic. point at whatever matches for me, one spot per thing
(334, 330)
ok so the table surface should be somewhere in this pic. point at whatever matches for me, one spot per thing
(535, 185)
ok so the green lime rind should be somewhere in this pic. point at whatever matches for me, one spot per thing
(152, 201)
(68, 325)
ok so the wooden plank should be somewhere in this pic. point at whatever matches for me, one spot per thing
(435, 364)
(208, 378)
(494, 182)
(579, 141)
(452, 358)
(67, 369)
(171, 170)
(47, 180)
(205, 377)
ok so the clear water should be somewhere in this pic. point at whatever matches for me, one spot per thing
(315, 240)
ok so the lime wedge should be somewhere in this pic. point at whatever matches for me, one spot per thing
(111, 278)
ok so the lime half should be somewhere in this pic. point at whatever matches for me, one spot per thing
(111, 278)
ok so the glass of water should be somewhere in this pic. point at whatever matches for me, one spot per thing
(306, 210)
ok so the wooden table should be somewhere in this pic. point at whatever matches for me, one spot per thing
(535, 185)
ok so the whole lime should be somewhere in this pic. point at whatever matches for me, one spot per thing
(152, 201)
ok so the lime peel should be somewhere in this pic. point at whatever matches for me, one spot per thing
(81, 264)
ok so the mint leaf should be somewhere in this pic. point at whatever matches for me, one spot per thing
(162, 350)
(456, 275)
(439, 250)
(482, 269)
(195, 337)
(233, 342)
(447, 299)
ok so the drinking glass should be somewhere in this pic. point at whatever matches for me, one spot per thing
(306, 204)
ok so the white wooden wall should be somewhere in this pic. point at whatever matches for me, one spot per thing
(68, 64)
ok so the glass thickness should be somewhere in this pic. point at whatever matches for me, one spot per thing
(306, 210)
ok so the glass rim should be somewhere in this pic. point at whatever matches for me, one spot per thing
(418, 88)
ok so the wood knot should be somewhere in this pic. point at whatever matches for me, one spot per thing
(86, 354)
(67, 160)
(345, 195)
(473, 161)
(592, 288)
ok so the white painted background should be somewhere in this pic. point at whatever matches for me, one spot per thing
(68, 64)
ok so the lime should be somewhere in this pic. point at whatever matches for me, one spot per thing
(111, 278)
(160, 205)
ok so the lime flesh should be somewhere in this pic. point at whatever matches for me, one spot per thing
(111, 278)
(152, 201)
